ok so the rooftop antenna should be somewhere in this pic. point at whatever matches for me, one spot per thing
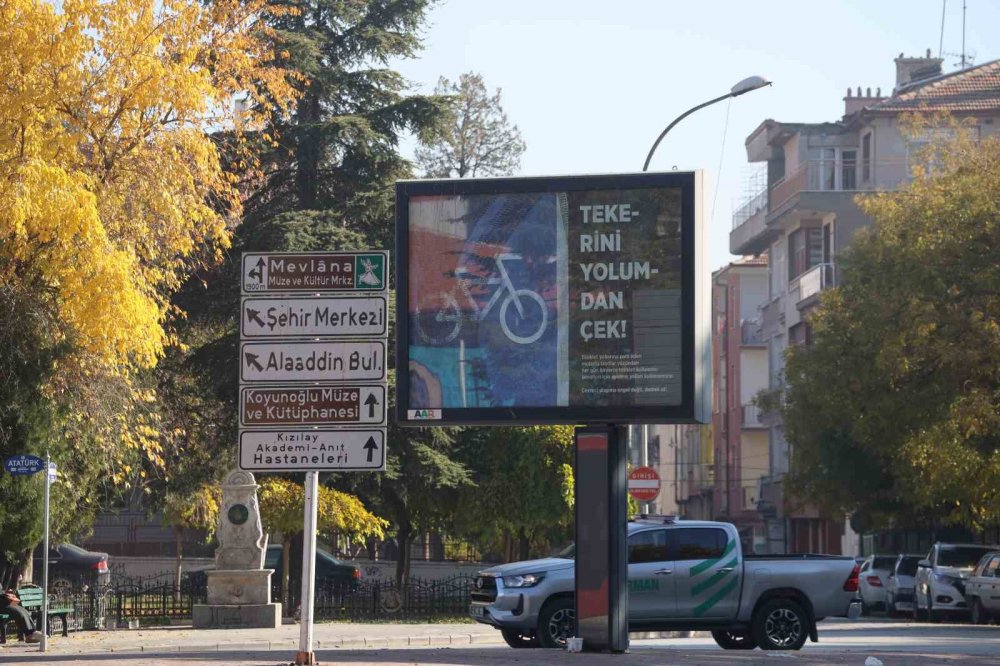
(963, 34)
(944, 5)
(965, 59)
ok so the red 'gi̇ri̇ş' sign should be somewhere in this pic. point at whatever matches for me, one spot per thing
(644, 484)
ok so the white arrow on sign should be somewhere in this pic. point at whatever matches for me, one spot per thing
(312, 361)
(363, 316)
(293, 450)
(314, 404)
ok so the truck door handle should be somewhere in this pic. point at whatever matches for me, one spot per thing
(727, 569)
(663, 572)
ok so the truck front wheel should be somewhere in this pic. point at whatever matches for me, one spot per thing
(519, 639)
(556, 623)
(780, 624)
(734, 640)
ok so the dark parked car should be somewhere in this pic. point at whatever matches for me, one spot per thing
(331, 573)
(72, 567)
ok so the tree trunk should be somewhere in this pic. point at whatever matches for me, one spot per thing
(179, 545)
(24, 570)
(405, 538)
(307, 152)
(523, 546)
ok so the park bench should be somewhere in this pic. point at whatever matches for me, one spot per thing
(31, 601)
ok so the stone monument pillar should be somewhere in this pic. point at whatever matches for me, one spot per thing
(239, 588)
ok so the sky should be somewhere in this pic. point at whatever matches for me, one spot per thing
(591, 84)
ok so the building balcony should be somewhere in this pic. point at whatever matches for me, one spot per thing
(751, 417)
(750, 226)
(814, 281)
(811, 186)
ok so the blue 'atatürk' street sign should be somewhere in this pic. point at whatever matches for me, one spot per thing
(24, 464)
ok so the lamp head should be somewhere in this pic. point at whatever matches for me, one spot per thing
(748, 84)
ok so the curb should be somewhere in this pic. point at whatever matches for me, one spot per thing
(362, 643)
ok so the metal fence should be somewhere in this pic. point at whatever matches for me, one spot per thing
(416, 598)
(156, 600)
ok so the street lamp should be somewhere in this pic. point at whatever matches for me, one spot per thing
(741, 88)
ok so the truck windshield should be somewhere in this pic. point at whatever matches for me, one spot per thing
(960, 557)
(566, 552)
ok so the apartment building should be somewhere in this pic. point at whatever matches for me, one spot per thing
(695, 471)
(739, 372)
(805, 214)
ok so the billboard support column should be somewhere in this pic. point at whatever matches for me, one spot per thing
(601, 596)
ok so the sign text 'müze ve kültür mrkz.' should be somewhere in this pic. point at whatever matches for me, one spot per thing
(314, 272)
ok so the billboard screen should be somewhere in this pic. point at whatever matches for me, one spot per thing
(547, 300)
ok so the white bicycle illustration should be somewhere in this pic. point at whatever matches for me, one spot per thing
(444, 309)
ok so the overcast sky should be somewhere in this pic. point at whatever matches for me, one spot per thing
(591, 83)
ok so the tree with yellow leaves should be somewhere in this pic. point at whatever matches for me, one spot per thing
(281, 512)
(111, 191)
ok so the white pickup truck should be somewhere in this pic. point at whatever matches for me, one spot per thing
(682, 575)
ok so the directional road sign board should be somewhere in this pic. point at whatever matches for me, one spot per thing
(314, 361)
(291, 450)
(332, 316)
(24, 464)
(319, 404)
(314, 272)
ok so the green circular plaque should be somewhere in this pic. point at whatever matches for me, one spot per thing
(238, 514)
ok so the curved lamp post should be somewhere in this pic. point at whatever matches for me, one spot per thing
(741, 88)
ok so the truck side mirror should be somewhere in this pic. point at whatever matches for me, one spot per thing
(926, 564)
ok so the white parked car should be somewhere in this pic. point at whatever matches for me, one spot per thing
(872, 581)
(899, 590)
(941, 578)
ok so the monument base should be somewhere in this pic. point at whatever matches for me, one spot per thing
(243, 616)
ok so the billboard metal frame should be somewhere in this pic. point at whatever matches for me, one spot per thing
(695, 299)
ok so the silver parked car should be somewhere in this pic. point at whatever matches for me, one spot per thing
(873, 580)
(899, 590)
(982, 590)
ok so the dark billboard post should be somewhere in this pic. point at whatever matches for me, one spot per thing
(601, 559)
(551, 300)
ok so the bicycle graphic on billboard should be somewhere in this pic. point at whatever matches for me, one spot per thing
(523, 313)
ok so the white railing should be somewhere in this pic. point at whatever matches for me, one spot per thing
(815, 280)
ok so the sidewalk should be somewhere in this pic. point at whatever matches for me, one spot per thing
(326, 635)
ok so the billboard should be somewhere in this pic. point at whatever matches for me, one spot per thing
(551, 300)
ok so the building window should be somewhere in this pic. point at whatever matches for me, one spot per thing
(800, 335)
(848, 169)
(823, 171)
(866, 158)
(805, 250)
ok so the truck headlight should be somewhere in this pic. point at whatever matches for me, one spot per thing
(527, 580)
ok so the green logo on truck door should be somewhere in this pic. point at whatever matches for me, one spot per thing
(643, 585)
(715, 586)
